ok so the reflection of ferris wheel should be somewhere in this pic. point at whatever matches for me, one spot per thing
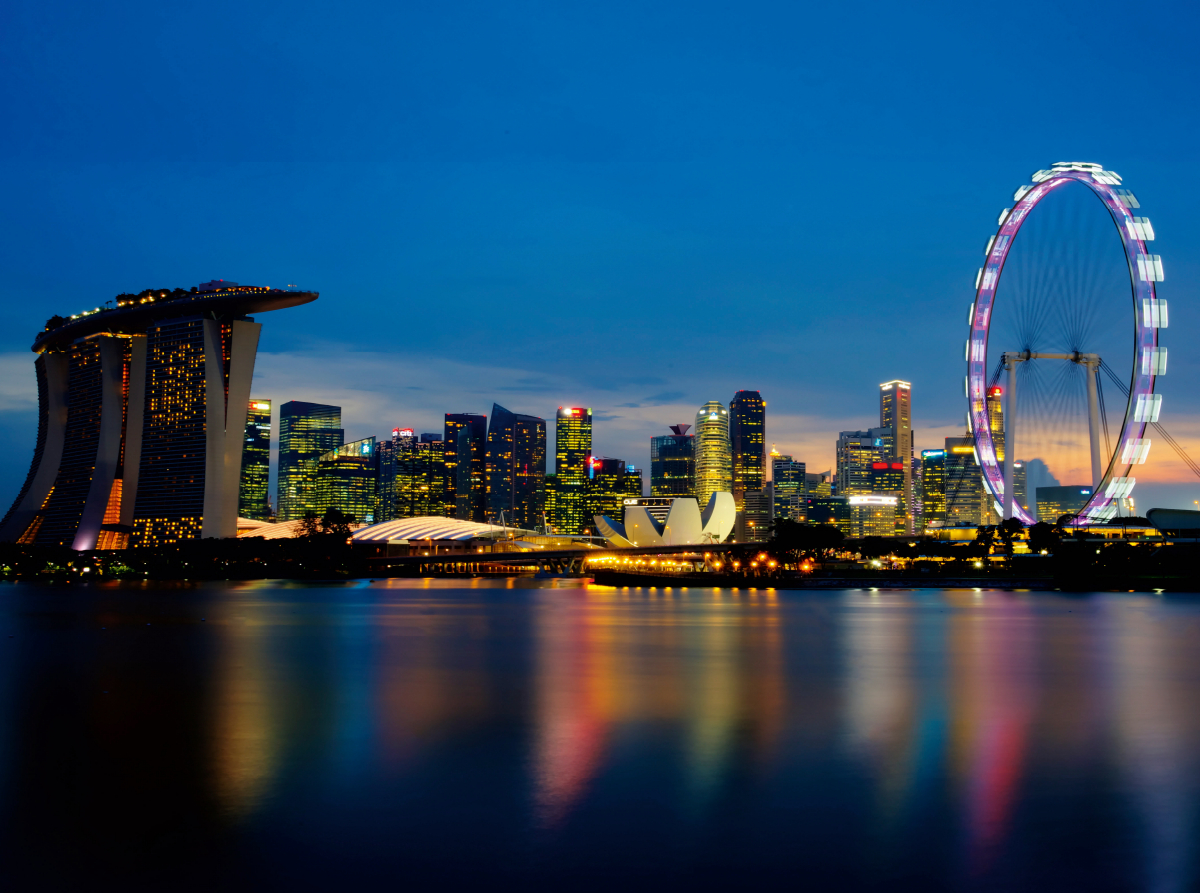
(1060, 319)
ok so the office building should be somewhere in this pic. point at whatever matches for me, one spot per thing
(872, 515)
(895, 418)
(254, 489)
(857, 451)
(788, 482)
(572, 465)
(307, 431)
(386, 470)
(714, 464)
(966, 505)
(819, 483)
(933, 488)
(1020, 486)
(346, 481)
(134, 447)
(1054, 502)
(515, 469)
(833, 510)
(673, 463)
(610, 482)
(747, 440)
(465, 436)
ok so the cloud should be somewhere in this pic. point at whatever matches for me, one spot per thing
(18, 382)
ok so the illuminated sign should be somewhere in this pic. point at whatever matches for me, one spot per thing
(366, 449)
(995, 392)
(261, 407)
(407, 432)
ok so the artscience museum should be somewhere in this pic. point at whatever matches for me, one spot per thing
(670, 521)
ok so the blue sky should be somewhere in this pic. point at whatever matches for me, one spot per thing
(637, 207)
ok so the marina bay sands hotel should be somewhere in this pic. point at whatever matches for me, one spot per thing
(142, 417)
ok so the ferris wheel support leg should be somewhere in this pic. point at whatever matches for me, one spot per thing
(1010, 436)
(1093, 369)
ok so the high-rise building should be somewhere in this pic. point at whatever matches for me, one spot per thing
(516, 468)
(819, 483)
(673, 463)
(788, 479)
(346, 481)
(1020, 485)
(833, 510)
(1054, 502)
(747, 439)
(134, 446)
(895, 417)
(873, 515)
(610, 483)
(386, 469)
(307, 431)
(857, 451)
(714, 463)
(466, 446)
(254, 489)
(933, 488)
(572, 460)
(965, 503)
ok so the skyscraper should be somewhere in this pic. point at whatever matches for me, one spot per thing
(933, 488)
(516, 468)
(610, 482)
(965, 504)
(142, 418)
(714, 471)
(857, 451)
(345, 481)
(307, 431)
(673, 463)
(788, 479)
(254, 489)
(895, 417)
(747, 438)
(572, 458)
(465, 436)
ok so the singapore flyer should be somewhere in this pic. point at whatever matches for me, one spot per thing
(1057, 312)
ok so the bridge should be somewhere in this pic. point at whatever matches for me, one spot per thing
(556, 561)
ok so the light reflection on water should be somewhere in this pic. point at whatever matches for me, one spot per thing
(546, 733)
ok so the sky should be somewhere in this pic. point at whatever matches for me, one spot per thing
(628, 206)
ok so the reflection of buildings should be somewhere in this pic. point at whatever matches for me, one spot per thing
(142, 417)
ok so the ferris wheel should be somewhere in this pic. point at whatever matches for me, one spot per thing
(1051, 314)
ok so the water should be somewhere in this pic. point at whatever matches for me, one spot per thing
(421, 734)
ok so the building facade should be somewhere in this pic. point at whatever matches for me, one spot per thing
(748, 443)
(610, 482)
(714, 463)
(346, 481)
(857, 451)
(933, 488)
(789, 489)
(673, 463)
(1054, 502)
(895, 418)
(965, 502)
(307, 431)
(516, 469)
(142, 419)
(572, 465)
(465, 436)
(255, 487)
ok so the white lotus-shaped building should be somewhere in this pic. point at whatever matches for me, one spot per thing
(671, 521)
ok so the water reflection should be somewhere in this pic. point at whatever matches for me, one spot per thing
(430, 731)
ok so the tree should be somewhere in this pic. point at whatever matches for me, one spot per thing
(336, 523)
(1043, 537)
(796, 540)
(1008, 531)
(310, 525)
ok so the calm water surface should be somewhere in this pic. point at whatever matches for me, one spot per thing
(413, 734)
